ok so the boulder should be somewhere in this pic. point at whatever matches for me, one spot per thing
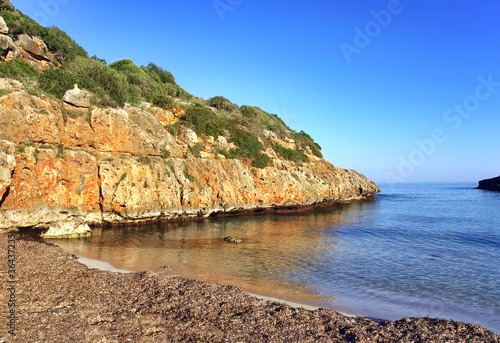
(4, 29)
(77, 97)
(68, 229)
(189, 137)
(34, 46)
(492, 184)
(6, 44)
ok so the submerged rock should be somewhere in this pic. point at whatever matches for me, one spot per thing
(492, 184)
(231, 239)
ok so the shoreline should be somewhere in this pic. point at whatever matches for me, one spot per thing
(61, 299)
(106, 266)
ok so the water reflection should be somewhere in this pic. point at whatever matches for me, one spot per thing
(278, 252)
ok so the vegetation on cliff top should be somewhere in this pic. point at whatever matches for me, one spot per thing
(251, 129)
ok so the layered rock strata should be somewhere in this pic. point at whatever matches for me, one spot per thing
(104, 165)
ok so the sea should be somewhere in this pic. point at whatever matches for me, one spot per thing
(414, 250)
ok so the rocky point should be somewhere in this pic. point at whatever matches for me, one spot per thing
(95, 165)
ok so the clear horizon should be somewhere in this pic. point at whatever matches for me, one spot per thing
(401, 91)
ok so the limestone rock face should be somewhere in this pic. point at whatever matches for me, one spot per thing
(7, 164)
(6, 45)
(61, 163)
(68, 229)
(77, 97)
(189, 137)
(4, 29)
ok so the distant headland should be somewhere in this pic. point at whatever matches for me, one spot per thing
(492, 184)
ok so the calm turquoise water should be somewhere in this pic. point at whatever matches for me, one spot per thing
(415, 250)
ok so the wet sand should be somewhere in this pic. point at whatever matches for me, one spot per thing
(58, 299)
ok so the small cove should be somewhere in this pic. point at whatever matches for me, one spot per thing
(415, 250)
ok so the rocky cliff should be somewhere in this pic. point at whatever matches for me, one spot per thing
(492, 184)
(59, 162)
(72, 157)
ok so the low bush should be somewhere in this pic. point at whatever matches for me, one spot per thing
(203, 120)
(303, 140)
(195, 151)
(165, 153)
(110, 87)
(261, 161)
(18, 69)
(289, 154)
(163, 101)
(248, 111)
(247, 144)
(159, 74)
(222, 104)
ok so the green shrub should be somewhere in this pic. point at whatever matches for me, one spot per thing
(21, 149)
(123, 177)
(5, 91)
(247, 144)
(204, 121)
(60, 152)
(248, 111)
(110, 87)
(222, 104)
(174, 129)
(159, 74)
(303, 140)
(100, 60)
(163, 101)
(188, 176)
(6, 4)
(136, 76)
(144, 160)
(17, 69)
(289, 154)
(222, 152)
(62, 45)
(19, 23)
(59, 43)
(165, 153)
(261, 161)
(195, 151)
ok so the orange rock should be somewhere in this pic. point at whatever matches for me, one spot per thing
(59, 162)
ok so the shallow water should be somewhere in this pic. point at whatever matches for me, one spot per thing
(415, 250)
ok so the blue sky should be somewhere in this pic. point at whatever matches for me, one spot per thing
(399, 90)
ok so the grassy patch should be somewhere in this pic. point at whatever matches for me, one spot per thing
(195, 151)
(164, 153)
(144, 160)
(188, 176)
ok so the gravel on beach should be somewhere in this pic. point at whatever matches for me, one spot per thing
(58, 299)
